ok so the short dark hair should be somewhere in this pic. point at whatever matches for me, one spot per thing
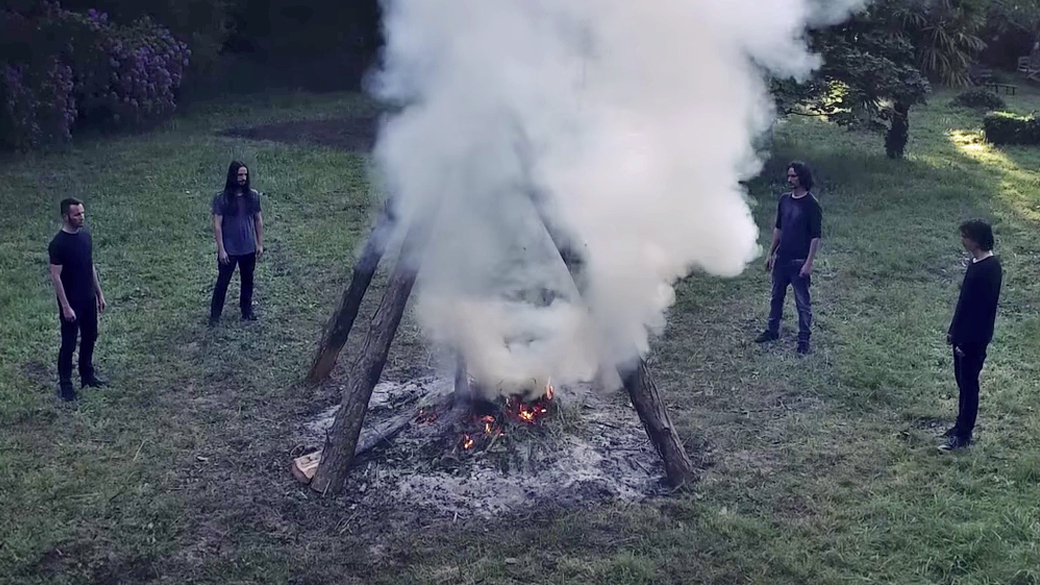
(804, 174)
(979, 232)
(67, 203)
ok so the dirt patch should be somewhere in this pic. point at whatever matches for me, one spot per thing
(592, 448)
(355, 134)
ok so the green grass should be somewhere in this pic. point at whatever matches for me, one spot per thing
(820, 470)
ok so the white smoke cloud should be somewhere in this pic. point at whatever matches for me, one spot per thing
(633, 120)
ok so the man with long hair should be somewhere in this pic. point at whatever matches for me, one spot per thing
(796, 238)
(238, 228)
(971, 329)
(79, 295)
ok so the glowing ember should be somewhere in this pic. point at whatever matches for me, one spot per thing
(489, 423)
(549, 391)
(467, 442)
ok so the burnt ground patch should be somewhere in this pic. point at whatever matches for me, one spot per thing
(352, 134)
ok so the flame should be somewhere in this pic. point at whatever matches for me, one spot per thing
(467, 442)
(549, 391)
(489, 423)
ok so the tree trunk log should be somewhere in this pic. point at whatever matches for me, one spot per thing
(339, 326)
(342, 439)
(658, 423)
(638, 382)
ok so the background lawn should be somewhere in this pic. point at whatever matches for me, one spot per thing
(818, 470)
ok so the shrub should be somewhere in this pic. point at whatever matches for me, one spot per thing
(979, 98)
(66, 67)
(1008, 128)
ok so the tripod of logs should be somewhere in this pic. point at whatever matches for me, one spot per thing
(327, 471)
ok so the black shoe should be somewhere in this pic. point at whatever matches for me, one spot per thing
(803, 348)
(950, 432)
(250, 316)
(94, 382)
(767, 336)
(954, 443)
(213, 322)
(66, 391)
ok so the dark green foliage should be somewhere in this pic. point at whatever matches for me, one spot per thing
(978, 98)
(869, 80)
(1008, 128)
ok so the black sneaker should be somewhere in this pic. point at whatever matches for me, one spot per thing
(954, 444)
(803, 348)
(94, 382)
(950, 432)
(213, 322)
(250, 316)
(766, 336)
(67, 392)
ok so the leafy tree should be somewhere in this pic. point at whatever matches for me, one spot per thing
(869, 80)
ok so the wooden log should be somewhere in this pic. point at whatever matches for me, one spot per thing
(637, 380)
(658, 423)
(338, 328)
(364, 374)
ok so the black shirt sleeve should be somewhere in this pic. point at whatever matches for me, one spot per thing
(56, 252)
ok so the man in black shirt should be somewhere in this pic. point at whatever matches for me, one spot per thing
(971, 329)
(79, 296)
(796, 237)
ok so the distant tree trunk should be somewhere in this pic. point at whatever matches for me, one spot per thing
(899, 131)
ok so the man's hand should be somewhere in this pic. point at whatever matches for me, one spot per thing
(957, 350)
(806, 270)
(949, 339)
(222, 256)
(68, 314)
(259, 250)
(770, 260)
(101, 303)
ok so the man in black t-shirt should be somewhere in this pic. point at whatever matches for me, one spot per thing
(971, 329)
(79, 297)
(796, 237)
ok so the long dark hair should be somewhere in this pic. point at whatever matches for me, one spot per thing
(231, 185)
(227, 196)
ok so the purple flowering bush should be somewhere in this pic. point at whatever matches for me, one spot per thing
(64, 68)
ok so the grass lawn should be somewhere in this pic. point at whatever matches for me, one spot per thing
(819, 470)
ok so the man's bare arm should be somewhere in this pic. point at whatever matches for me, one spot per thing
(258, 221)
(218, 235)
(814, 245)
(98, 294)
(772, 249)
(59, 288)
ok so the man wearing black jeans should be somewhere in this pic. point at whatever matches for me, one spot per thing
(971, 329)
(79, 297)
(796, 237)
(238, 228)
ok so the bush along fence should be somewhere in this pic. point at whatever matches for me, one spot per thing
(1008, 128)
(60, 70)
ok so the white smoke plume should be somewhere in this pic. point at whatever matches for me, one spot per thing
(633, 121)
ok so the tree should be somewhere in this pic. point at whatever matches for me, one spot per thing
(945, 35)
(869, 79)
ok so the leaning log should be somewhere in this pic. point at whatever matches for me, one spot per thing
(637, 380)
(364, 374)
(338, 328)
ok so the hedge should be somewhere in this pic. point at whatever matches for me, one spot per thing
(1008, 128)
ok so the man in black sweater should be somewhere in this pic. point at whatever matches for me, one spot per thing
(972, 327)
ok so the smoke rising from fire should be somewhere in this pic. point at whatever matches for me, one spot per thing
(633, 124)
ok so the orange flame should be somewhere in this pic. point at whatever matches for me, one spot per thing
(489, 423)
(549, 392)
(467, 442)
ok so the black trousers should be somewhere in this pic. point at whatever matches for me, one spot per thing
(967, 369)
(246, 265)
(785, 272)
(86, 327)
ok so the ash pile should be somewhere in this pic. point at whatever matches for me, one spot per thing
(423, 447)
